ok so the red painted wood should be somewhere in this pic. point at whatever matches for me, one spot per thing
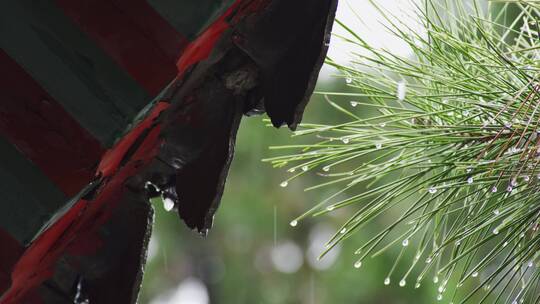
(133, 34)
(85, 217)
(43, 131)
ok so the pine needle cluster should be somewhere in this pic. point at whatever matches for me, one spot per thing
(445, 143)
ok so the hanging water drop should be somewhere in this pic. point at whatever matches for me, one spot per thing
(293, 223)
(440, 289)
(475, 274)
(417, 285)
(439, 297)
(168, 204)
(343, 230)
(495, 231)
(496, 212)
(428, 260)
(345, 140)
(432, 190)
(358, 264)
(378, 146)
(509, 189)
(526, 178)
(405, 242)
(348, 80)
(284, 184)
(435, 279)
(291, 170)
(470, 180)
(330, 208)
(382, 124)
(514, 182)
(305, 168)
(530, 264)
(387, 281)
(326, 169)
(508, 125)
(494, 189)
(354, 104)
(402, 283)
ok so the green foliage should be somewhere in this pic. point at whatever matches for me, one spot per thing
(444, 143)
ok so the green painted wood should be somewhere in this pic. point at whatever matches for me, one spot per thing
(70, 67)
(28, 199)
(189, 17)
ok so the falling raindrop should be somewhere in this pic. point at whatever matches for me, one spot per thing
(358, 264)
(354, 104)
(402, 283)
(293, 223)
(401, 90)
(405, 242)
(387, 281)
(284, 184)
(432, 190)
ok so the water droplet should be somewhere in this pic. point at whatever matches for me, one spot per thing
(514, 183)
(168, 204)
(435, 279)
(470, 180)
(405, 242)
(495, 231)
(291, 170)
(530, 264)
(522, 235)
(417, 285)
(402, 283)
(526, 178)
(345, 140)
(509, 188)
(348, 80)
(358, 264)
(305, 168)
(469, 169)
(326, 169)
(432, 190)
(505, 244)
(382, 124)
(378, 146)
(330, 208)
(440, 289)
(387, 281)
(428, 260)
(508, 125)
(343, 230)
(475, 274)
(494, 189)
(439, 297)
(284, 184)
(466, 113)
(354, 104)
(496, 212)
(293, 223)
